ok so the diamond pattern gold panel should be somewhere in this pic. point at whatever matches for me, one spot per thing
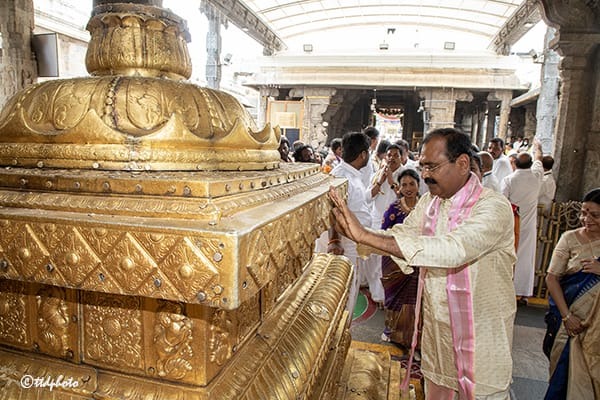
(129, 263)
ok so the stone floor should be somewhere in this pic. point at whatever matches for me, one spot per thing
(530, 366)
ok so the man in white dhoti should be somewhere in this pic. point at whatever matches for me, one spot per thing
(355, 155)
(461, 237)
(522, 188)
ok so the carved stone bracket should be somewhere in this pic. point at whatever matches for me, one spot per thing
(572, 15)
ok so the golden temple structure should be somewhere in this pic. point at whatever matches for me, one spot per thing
(152, 246)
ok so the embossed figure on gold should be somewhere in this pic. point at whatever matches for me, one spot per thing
(220, 338)
(172, 340)
(52, 319)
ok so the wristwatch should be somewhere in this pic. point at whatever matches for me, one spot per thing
(394, 186)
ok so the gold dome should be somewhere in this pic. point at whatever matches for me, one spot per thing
(137, 112)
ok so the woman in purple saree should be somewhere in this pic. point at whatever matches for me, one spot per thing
(400, 289)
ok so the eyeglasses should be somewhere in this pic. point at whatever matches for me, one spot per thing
(432, 168)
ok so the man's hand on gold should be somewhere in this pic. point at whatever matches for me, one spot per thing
(346, 222)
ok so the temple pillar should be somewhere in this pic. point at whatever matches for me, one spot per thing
(17, 66)
(504, 96)
(576, 146)
(316, 101)
(547, 104)
(213, 44)
(440, 106)
(577, 129)
(530, 121)
(408, 128)
(263, 103)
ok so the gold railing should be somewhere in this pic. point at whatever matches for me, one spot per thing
(550, 225)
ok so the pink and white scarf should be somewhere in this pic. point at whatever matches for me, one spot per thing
(460, 298)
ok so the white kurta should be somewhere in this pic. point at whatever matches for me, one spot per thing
(522, 188)
(485, 240)
(359, 202)
(489, 181)
(547, 191)
(501, 168)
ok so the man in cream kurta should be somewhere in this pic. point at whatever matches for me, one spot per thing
(489, 249)
(482, 242)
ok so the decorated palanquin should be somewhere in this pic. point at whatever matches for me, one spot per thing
(152, 246)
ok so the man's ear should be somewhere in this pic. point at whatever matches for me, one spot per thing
(464, 162)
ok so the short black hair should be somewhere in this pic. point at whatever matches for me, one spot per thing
(499, 141)
(335, 144)
(403, 144)
(593, 196)
(382, 147)
(371, 132)
(298, 153)
(457, 142)
(395, 146)
(547, 162)
(354, 143)
(410, 172)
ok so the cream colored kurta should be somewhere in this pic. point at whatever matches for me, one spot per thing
(486, 241)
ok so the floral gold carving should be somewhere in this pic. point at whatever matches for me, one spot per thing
(131, 264)
(172, 341)
(25, 252)
(191, 271)
(112, 331)
(13, 314)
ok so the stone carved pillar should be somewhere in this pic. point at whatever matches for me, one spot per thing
(213, 44)
(440, 106)
(263, 103)
(576, 146)
(547, 104)
(316, 101)
(530, 121)
(17, 66)
(504, 96)
(574, 150)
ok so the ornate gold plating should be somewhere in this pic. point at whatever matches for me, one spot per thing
(152, 124)
(291, 346)
(112, 332)
(137, 39)
(13, 314)
(219, 263)
(173, 341)
(53, 321)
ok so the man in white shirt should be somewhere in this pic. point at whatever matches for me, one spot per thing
(501, 167)
(548, 189)
(522, 188)
(355, 155)
(488, 179)
(369, 170)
